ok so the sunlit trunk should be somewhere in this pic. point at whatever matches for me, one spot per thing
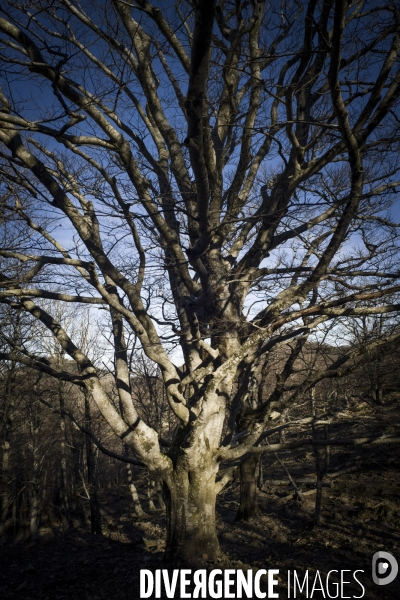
(191, 524)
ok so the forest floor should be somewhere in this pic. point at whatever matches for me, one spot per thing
(360, 515)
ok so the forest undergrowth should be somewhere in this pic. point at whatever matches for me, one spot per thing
(360, 515)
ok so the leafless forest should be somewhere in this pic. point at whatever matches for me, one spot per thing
(199, 289)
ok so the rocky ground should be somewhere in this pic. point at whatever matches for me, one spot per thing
(360, 515)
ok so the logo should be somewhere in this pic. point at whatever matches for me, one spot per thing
(384, 568)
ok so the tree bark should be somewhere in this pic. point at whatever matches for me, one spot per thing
(64, 474)
(132, 488)
(5, 501)
(34, 487)
(95, 515)
(6, 447)
(191, 523)
(248, 508)
(34, 511)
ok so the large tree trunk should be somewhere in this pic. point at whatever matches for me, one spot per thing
(191, 524)
(191, 488)
(248, 508)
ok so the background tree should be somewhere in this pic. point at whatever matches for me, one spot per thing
(220, 177)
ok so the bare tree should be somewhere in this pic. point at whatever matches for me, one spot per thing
(376, 379)
(219, 177)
